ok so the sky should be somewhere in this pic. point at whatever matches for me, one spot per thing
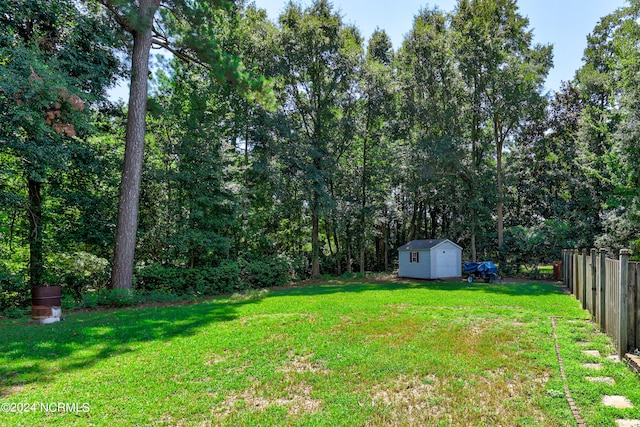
(562, 23)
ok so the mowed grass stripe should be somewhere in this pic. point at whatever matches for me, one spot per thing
(342, 352)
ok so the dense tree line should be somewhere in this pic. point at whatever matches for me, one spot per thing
(301, 147)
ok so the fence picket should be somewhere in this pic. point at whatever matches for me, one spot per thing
(632, 307)
(593, 283)
(603, 286)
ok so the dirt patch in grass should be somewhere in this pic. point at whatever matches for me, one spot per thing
(407, 395)
(215, 359)
(497, 389)
(11, 390)
(496, 398)
(295, 397)
(302, 363)
(297, 400)
(224, 356)
(398, 307)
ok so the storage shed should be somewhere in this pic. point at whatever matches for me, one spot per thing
(430, 259)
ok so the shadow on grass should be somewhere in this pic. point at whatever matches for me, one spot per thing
(365, 285)
(37, 353)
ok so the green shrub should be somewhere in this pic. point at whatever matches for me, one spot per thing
(189, 281)
(225, 277)
(14, 293)
(534, 246)
(263, 272)
(299, 266)
(126, 298)
(158, 283)
(14, 312)
(71, 302)
(159, 278)
(228, 277)
(112, 298)
(161, 297)
(78, 272)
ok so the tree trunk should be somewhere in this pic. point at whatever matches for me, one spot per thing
(363, 232)
(328, 234)
(419, 219)
(475, 159)
(474, 253)
(412, 224)
(245, 202)
(385, 238)
(336, 242)
(127, 225)
(315, 238)
(500, 205)
(349, 257)
(386, 249)
(36, 264)
(433, 219)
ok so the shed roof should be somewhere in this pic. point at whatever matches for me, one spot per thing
(416, 245)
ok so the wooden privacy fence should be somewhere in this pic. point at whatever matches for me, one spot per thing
(609, 289)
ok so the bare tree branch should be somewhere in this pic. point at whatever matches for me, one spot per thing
(159, 41)
(121, 20)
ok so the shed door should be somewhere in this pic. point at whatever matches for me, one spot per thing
(446, 263)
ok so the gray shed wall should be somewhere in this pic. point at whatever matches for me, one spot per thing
(443, 260)
(417, 270)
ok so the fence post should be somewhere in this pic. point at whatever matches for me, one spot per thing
(594, 284)
(574, 268)
(570, 269)
(576, 282)
(632, 294)
(584, 279)
(603, 287)
(567, 270)
(624, 279)
(564, 266)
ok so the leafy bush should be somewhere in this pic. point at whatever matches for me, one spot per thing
(85, 277)
(263, 272)
(299, 266)
(125, 298)
(531, 247)
(256, 273)
(14, 294)
(78, 272)
(111, 298)
(329, 263)
(14, 312)
(157, 283)
(225, 278)
(181, 281)
(162, 279)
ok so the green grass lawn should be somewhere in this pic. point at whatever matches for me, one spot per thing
(344, 352)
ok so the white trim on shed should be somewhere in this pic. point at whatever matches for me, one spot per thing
(430, 259)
